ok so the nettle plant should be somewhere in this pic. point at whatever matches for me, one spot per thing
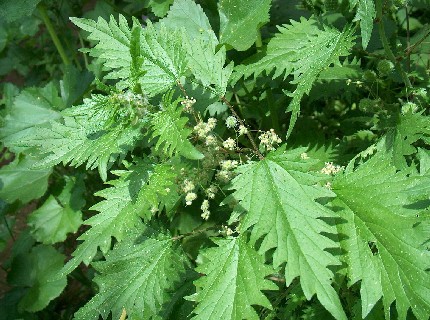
(284, 180)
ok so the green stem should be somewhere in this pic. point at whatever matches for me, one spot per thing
(54, 37)
(273, 110)
(386, 45)
(258, 41)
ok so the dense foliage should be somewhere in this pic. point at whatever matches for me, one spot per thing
(215, 159)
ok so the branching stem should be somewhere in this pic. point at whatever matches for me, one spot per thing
(192, 233)
(248, 133)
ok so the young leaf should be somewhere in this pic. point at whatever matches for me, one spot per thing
(233, 281)
(165, 59)
(386, 235)
(207, 65)
(113, 43)
(59, 215)
(137, 276)
(240, 22)
(302, 49)
(169, 127)
(278, 196)
(131, 197)
(366, 13)
(190, 16)
(19, 180)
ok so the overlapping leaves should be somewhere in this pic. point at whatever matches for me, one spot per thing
(94, 133)
(302, 49)
(131, 198)
(138, 276)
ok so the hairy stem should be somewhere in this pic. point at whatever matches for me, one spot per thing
(386, 45)
(408, 38)
(54, 37)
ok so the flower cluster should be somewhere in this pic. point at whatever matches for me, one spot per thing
(211, 191)
(242, 130)
(269, 138)
(330, 168)
(188, 187)
(130, 98)
(188, 104)
(231, 122)
(226, 173)
(229, 144)
(205, 209)
(304, 156)
(203, 129)
(228, 231)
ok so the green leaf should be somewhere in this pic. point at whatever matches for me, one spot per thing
(74, 84)
(113, 43)
(20, 181)
(15, 10)
(386, 235)
(132, 196)
(138, 275)
(366, 13)
(240, 22)
(165, 58)
(302, 49)
(160, 7)
(32, 107)
(190, 16)
(204, 60)
(60, 215)
(410, 128)
(169, 127)
(234, 278)
(34, 270)
(96, 132)
(279, 197)
(207, 65)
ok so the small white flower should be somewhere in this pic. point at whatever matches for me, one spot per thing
(154, 210)
(227, 230)
(330, 168)
(188, 104)
(304, 156)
